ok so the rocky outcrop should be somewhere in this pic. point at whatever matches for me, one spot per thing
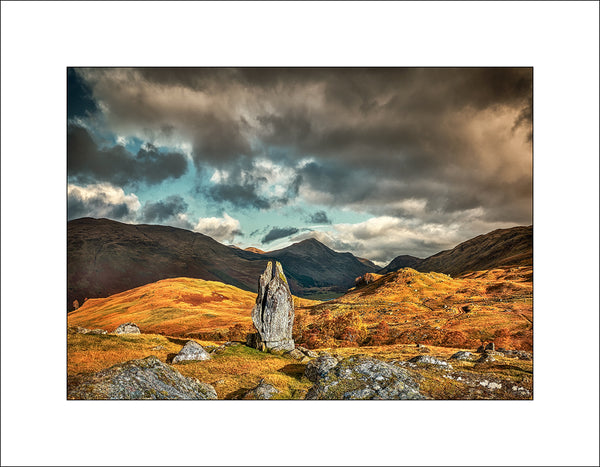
(191, 351)
(147, 378)
(127, 328)
(462, 355)
(362, 377)
(261, 392)
(319, 367)
(273, 314)
(429, 360)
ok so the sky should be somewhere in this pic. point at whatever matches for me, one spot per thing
(378, 162)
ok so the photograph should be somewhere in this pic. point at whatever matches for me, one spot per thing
(299, 233)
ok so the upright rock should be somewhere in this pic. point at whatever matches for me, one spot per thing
(273, 314)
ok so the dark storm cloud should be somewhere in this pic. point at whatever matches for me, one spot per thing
(428, 143)
(279, 232)
(86, 162)
(319, 217)
(164, 209)
(79, 96)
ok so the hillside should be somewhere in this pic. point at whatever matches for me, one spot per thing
(105, 257)
(500, 248)
(176, 307)
(408, 306)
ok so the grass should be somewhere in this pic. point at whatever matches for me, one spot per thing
(176, 307)
(238, 369)
(232, 372)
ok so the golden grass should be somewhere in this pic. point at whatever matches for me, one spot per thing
(434, 308)
(231, 372)
(176, 307)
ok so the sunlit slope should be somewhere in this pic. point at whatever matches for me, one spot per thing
(176, 307)
(494, 305)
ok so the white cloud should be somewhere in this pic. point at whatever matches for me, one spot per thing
(101, 200)
(220, 228)
(382, 238)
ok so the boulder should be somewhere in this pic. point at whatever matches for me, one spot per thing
(362, 377)
(480, 349)
(462, 355)
(429, 360)
(147, 378)
(490, 346)
(486, 358)
(319, 367)
(295, 354)
(191, 351)
(127, 328)
(273, 313)
(262, 392)
(307, 352)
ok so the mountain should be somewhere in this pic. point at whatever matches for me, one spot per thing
(399, 262)
(105, 257)
(368, 262)
(500, 248)
(310, 264)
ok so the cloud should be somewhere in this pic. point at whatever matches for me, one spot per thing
(171, 210)
(88, 162)
(222, 229)
(279, 232)
(257, 183)
(319, 217)
(382, 238)
(428, 144)
(101, 200)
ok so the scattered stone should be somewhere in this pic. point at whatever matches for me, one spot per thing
(462, 355)
(127, 328)
(490, 346)
(319, 367)
(362, 377)
(262, 391)
(429, 360)
(295, 354)
(191, 351)
(423, 349)
(307, 352)
(147, 378)
(486, 358)
(273, 313)
(80, 330)
(158, 347)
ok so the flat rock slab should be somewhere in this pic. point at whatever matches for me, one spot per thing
(362, 377)
(127, 328)
(191, 351)
(147, 378)
(263, 391)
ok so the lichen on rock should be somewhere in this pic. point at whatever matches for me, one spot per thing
(147, 378)
(273, 313)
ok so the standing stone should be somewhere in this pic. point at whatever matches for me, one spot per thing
(273, 314)
(490, 346)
